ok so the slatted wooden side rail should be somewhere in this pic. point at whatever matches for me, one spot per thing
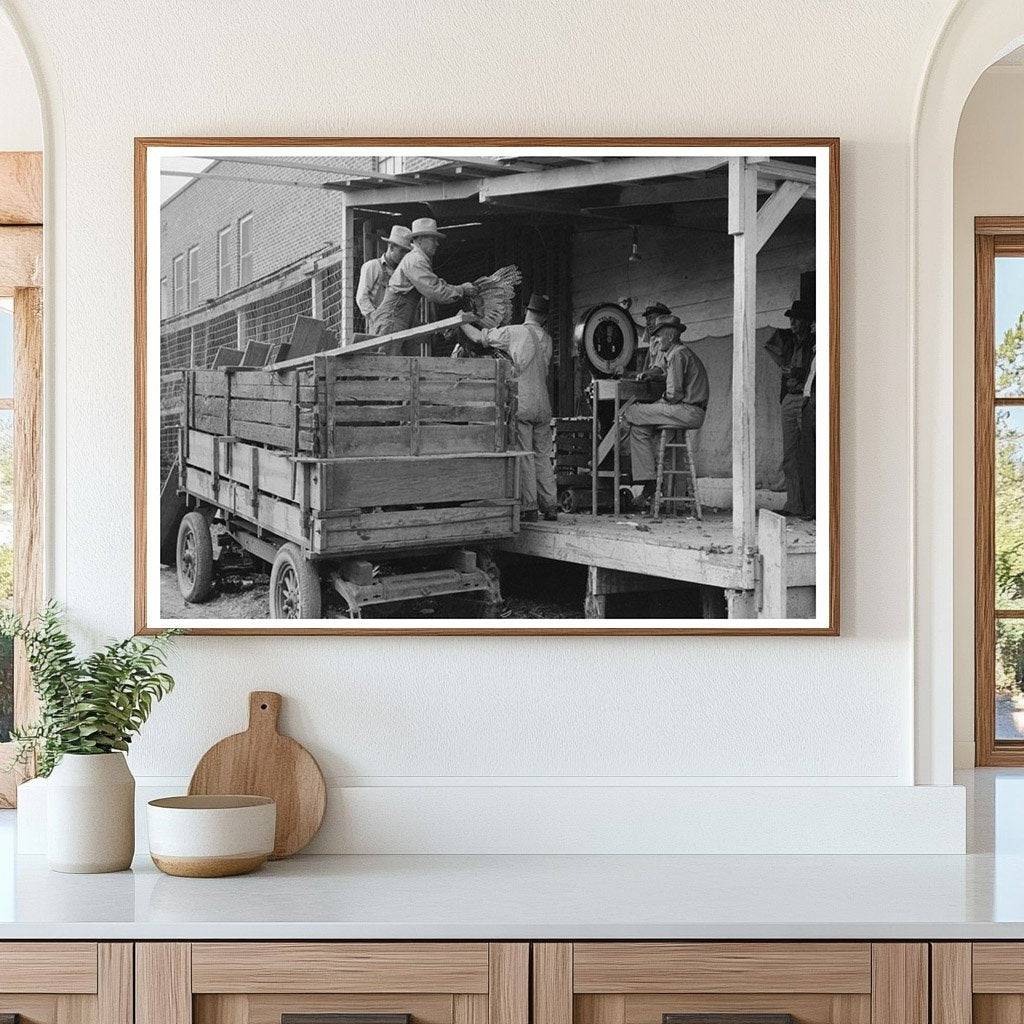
(404, 405)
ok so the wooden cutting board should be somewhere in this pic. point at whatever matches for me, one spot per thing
(262, 762)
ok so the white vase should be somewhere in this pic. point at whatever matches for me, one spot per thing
(90, 814)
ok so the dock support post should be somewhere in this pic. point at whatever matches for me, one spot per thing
(346, 329)
(595, 603)
(743, 228)
(771, 543)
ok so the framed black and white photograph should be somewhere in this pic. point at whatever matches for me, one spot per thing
(487, 385)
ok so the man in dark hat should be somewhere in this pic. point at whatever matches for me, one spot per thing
(650, 314)
(376, 273)
(792, 349)
(529, 347)
(683, 407)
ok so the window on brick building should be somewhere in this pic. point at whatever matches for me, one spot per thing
(245, 249)
(224, 261)
(193, 277)
(180, 285)
(165, 298)
(389, 164)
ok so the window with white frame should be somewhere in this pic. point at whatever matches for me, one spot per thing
(180, 284)
(165, 297)
(390, 164)
(245, 249)
(193, 277)
(224, 261)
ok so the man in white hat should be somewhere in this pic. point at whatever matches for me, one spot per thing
(412, 280)
(375, 274)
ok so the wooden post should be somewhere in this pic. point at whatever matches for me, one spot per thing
(369, 241)
(316, 302)
(743, 228)
(348, 273)
(771, 542)
(241, 327)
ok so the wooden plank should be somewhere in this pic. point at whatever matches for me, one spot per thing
(21, 258)
(998, 967)
(340, 967)
(771, 545)
(631, 552)
(48, 967)
(260, 433)
(282, 517)
(436, 392)
(430, 367)
(382, 532)
(417, 482)
(21, 188)
(421, 331)
(275, 469)
(115, 1003)
(508, 990)
(951, 983)
(754, 967)
(743, 228)
(552, 983)
(163, 983)
(775, 209)
(851, 1009)
(899, 983)
(612, 172)
(434, 438)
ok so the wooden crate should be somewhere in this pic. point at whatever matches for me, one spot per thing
(358, 454)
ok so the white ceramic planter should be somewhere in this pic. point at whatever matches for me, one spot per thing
(90, 814)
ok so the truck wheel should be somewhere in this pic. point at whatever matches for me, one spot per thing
(295, 591)
(195, 558)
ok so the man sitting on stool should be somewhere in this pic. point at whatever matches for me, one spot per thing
(683, 408)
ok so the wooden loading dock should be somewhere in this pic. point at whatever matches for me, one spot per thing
(764, 564)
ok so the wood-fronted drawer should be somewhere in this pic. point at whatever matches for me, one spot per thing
(813, 982)
(259, 982)
(66, 982)
(48, 967)
(981, 982)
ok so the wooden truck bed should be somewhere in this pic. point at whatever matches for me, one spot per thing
(357, 454)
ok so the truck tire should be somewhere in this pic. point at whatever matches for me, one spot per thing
(295, 591)
(194, 558)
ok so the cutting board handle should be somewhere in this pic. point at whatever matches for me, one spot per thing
(264, 710)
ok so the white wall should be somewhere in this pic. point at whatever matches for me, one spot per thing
(444, 714)
(21, 124)
(988, 181)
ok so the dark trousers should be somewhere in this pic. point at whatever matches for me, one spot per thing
(798, 446)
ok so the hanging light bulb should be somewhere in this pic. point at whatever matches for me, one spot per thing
(634, 251)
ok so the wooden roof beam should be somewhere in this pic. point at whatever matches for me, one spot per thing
(781, 170)
(615, 171)
(399, 195)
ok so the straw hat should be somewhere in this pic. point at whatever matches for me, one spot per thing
(424, 226)
(400, 236)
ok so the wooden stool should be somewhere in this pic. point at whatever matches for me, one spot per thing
(669, 441)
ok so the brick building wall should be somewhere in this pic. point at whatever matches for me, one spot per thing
(288, 222)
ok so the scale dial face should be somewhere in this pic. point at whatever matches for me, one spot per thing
(609, 337)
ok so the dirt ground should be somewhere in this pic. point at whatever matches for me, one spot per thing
(532, 588)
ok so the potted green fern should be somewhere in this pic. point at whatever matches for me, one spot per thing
(89, 710)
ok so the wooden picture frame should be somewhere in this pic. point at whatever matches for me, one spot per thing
(759, 604)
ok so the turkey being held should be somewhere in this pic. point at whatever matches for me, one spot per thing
(495, 296)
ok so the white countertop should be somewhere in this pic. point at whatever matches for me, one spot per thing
(532, 897)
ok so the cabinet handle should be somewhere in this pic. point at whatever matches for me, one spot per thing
(728, 1018)
(337, 1018)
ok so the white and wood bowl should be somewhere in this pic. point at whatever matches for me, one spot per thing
(211, 836)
